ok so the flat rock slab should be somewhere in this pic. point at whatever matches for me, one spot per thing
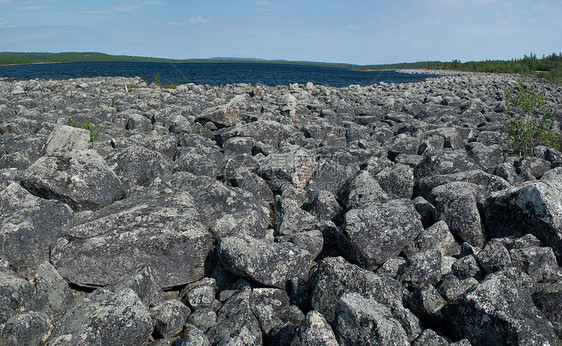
(81, 179)
(166, 232)
(263, 261)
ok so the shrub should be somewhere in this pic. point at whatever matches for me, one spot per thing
(94, 128)
(529, 120)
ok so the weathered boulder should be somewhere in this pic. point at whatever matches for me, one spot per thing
(166, 232)
(444, 162)
(377, 231)
(548, 301)
(336, 277)
(315, 330)
(104, 317)
(81, 179)
(499, 310)
(26, 328)
(139, 166)
(362, 189)
(456, 204)
(534, 208)
(169, 317)
(15, 294)
(397, 181)
(29, 227)
(437, 236)
(263, 261)
(143, 283)
(53, 294)
(537, 262)
(67, 139)
(361, 321)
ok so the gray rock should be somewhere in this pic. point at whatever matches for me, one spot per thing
(200, 294)
(438, 237)
(311, 241)
(361, 321)
(397, 181)
(28, 147)
(378, 231)
(533, 208)
(391, 267)
(426, 211)
(222, 115)
(165, 232)
(444, 162)
(139, 166)
(315, 330)
(456, 204)
(81, 179)
(538, 262)
(203, 319)
(499, 310)
(193, 336)
(421, 268)
(26, 328)
(486, 156)
(362, 189)
(336, 277)
(268, 263)
(507, 172)
(466, 267)
(199, 161)
(551, 155)
(324, 206)
(532, 168)
(296, 166)
(53, 295)
(169, 317)
(104, 317)
(548, 301)
(143, 283)
(402, 144)
(67, 139)
(493, 257)
(137, 123)
(229, 210)
(451, 287)
(29, 227)
(430, 338)
(426, 303)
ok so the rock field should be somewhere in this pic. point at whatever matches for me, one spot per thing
(389, 214)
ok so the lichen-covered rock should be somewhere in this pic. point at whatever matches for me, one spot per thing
(362, 189)
(437, 236)
(15, 293)
(444, 162)
(397, 181)
(421, 268)
(53, 295)
(336, 277)
(315, 330)
(493, 257)
(538, 262)
(263, 261)
(378, 231)
(534, 208)
(361, 321)
(26, 328)
(29, 227)
(200, 294)
(143, 283)
(169, 317)
(67, 139)
(81, 179)
(499, 310)
(548, 301)
(104, 317)
(166, 232)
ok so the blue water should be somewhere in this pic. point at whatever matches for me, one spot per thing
(210, 73)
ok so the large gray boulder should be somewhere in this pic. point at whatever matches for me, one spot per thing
(336, 277)
(53, 294)
(378, 231)
(533, 208)
(67, 139)
(166, 232)
(361, 321)
(263, 261)
(81, 179)
(315, 330)
(499, 310)
(104, 318)
(26, 328)
(15, 293)
(29, 227)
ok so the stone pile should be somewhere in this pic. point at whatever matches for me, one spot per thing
(288, 215)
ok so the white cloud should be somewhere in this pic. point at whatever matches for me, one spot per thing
(4, 23)
(32, 8)
(262, 2)
(198, 20)
(176, 24)
(4, 1)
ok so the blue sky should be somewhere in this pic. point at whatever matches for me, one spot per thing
(349, 31)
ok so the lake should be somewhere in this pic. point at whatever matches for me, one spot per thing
(218, 73)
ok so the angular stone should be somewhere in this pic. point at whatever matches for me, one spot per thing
(15, 293)
(336, 277)
(193, 336)
(263, 261)
(421, 268)
(53, 295)
(29, 227)
(67, 139)
(169, 317)
(538, 262)
(378, 231)
(361, 321)
(26, 328)
(534, 208)
(315, 330)
(104, 317)
(493, 257)
(200, 294)
(81, 179)
(362, 189)
(437, 237)
(397, 181)
(456, 204)
(499, 310)
(548, 301)
(143, 283)
(166, 232)
(444, 162)
(466, 267)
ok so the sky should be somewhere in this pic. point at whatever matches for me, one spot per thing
(342, 31)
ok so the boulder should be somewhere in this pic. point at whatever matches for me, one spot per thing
(166, 232)
(362, 189)
(444, 162)
(534, 208)
(67, 139)
(397, 181)
(315, 330)
(169, 317)
(81, 179)
(15, 293)
(29, 227)
(378, 231)
(499, 310)
(53, 294)
(104, 317)
(260, 260)
(26, 328)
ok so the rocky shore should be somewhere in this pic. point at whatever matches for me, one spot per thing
(290, 215)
